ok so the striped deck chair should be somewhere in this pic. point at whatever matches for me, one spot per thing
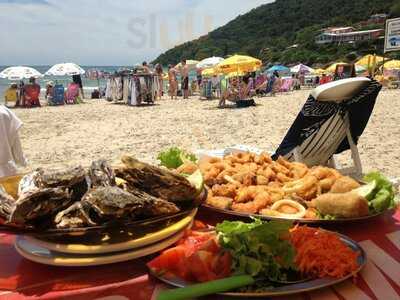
(331, 121)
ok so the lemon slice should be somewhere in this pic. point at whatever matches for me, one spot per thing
(196, 179)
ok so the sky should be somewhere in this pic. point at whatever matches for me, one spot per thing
(106, 32)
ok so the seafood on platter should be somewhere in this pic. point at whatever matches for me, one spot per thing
(253, 184)
(82, 197)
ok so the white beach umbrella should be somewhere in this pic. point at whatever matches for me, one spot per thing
(19, 73)
(209, 62)
(65, 69)
(301, 68)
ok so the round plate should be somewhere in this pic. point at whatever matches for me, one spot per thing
(288, 289)
(112, 241)
(303, 221)
(44, 256)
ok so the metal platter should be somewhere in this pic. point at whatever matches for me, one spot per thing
(289, 289)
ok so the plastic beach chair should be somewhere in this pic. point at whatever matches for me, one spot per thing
(331, 121)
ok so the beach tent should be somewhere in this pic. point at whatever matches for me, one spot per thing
(278, 68)
(19, 73)
(300, 68)
(367, 60)
(392, 65)
(65, 69)
(209, 62)
(190, 63)
(239, 63)
(332, 67)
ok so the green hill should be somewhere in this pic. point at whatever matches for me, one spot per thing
(268, 31)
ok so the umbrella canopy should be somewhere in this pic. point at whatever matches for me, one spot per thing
(209, 62)
(360, 69)
(368, 60)
(190, 63)
(235, 74)
(278, 68)
(19, 73)
(65, 69)
(209, 72)
(300, 68)
(392, 65)
(320, 71)
(332, 67)
(239, 63)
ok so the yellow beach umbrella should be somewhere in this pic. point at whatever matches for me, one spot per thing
(209, 72)
(235, 74)
(239, 63)
(332, 67)
(393, 64)
(320, 71)
(367, 60)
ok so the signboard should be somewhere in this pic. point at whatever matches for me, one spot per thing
(392, 36)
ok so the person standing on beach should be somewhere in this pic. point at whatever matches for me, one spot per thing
(185, 79)
(160, 83)
(146, 68)
(173, 82)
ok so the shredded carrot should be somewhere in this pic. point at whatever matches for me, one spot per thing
(322, 254)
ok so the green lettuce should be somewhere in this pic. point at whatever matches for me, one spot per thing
(259, 249)
(174, 157)
(382, 197)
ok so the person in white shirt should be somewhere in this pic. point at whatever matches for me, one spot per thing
(11, 153)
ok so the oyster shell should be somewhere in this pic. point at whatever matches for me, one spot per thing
(111, 203)
(155, 181)
(74, 216)
(59, 178)
(101, 174)
(39, 203)
(6, 203)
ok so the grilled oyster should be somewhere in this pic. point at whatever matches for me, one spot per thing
(6, 204)
(73, 217)
(59, 178)
(34, 205)
(112, 203)
(155, 181)
(101, 174)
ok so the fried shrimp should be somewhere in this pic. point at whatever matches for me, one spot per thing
(226, 190)
(260, 202)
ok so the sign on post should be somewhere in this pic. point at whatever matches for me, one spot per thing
(392, 35)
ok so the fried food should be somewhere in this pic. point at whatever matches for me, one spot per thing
(344, 184)
(250, 183)
(344, 205)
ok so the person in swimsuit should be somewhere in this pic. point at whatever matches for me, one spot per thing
(185, 79)
(160, 83)
(173, 83)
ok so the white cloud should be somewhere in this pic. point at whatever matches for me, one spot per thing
(106, 32)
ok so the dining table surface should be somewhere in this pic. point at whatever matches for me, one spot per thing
(23, 279)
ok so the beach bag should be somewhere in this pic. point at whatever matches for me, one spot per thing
(58, 95)
(72, 93)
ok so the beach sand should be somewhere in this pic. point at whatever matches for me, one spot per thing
(78, 134)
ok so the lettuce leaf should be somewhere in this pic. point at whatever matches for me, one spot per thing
(174, 157)
(260, 249)
(383, 195)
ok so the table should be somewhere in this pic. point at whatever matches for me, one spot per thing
(20, 278)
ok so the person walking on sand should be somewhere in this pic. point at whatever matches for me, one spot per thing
(173, 82)
(184, 70)
(160, 82)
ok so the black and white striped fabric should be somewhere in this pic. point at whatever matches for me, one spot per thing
(319, 130)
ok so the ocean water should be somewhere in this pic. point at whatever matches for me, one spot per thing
(87, 83)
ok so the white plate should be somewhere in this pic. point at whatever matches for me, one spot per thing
(44, 256)
(119, 241)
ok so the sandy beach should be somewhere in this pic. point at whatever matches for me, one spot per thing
(78, 134)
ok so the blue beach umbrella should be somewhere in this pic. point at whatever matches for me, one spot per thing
(278, 68)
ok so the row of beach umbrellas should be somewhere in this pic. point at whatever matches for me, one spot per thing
(21, 72)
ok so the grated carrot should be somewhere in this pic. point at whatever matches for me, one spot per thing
(322, 254)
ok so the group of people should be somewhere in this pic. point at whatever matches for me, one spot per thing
(23, 95)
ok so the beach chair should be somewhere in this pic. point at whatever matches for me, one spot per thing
(72, 93)
(58, 95)
(331, 121)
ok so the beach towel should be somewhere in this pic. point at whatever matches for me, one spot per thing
(316, 114)
(72, 93)
(10, 146)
